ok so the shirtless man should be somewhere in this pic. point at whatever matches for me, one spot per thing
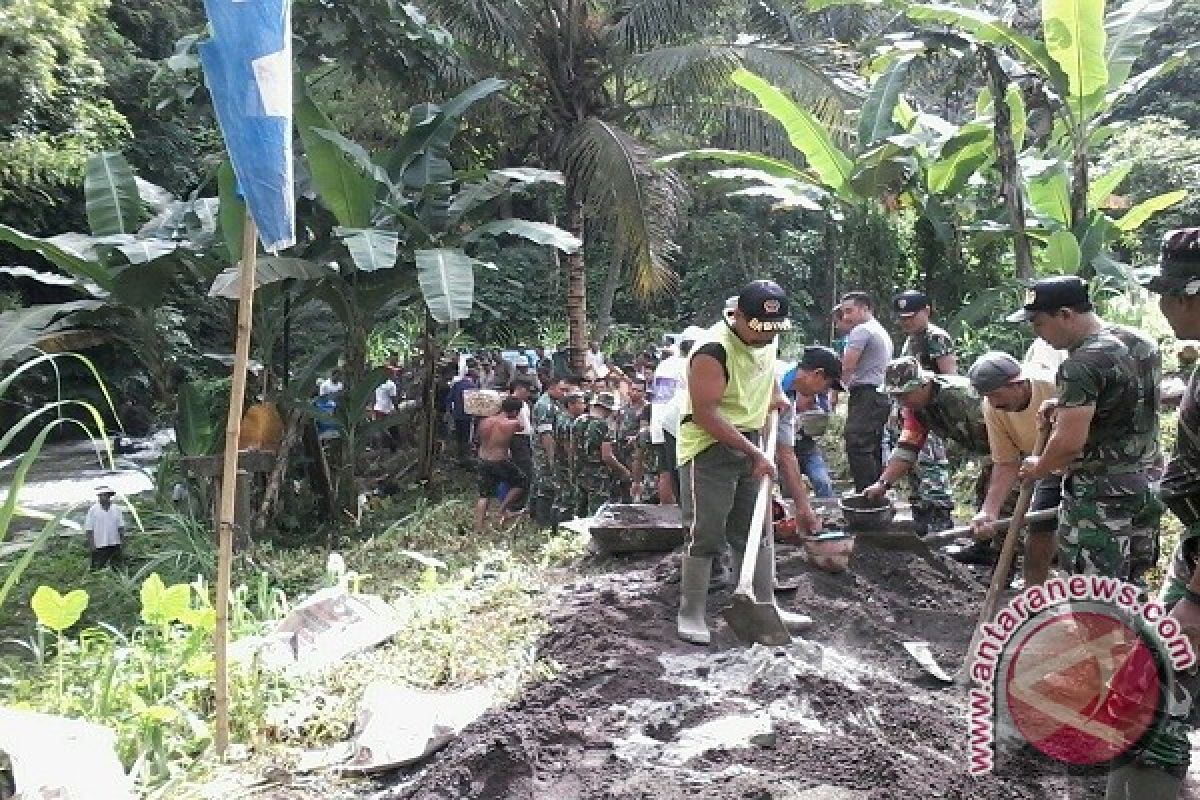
(495, 459)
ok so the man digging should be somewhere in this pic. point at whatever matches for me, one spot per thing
(942, 404)
(1105, 432)
(1013, 395)
(731, 387)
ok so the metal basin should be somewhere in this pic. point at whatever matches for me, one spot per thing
(864, 514)
(830, 550)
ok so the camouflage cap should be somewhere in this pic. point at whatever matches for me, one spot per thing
(1178, 268)
(904, 375)
(605, 400)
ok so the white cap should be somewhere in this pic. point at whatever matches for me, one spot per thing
(692, 333)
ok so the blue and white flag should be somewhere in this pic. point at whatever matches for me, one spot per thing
(248, 67)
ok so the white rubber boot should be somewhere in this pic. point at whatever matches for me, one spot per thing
(764, 585)
(693, 600)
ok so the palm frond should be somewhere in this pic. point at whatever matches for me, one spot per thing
(813, 73)
(502, 26)
(778, 19)
(618, 178)
(642, 24)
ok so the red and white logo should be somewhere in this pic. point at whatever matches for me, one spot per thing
(1083, 687)
(771, 306)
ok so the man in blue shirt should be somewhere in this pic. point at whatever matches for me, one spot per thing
(458, 412)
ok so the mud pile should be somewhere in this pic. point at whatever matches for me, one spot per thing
(635, 713)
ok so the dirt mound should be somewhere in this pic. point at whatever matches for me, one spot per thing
(636, 713)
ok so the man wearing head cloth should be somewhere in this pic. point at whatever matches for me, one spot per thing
(731, 386)
(1159, 766)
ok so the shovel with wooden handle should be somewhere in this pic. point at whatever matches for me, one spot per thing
(946, 536)
(753, 620)
(920, 650)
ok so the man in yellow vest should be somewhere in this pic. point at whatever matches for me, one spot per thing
(730, 388)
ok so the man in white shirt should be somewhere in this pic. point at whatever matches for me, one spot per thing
(332, 385)
(669, 378)
(385, 404)
(596, 362)
(104, 528)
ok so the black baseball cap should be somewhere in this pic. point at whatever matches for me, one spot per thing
(910, 302)
(817, 357)
(1178, 268)
(765, 305)
(1051, 294)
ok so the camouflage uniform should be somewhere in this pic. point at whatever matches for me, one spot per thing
(1144, 546)
(545, 485)
(954, 411)
(563, 449)
(593, 479)
(648, 453)
(1106, 493)
(1180, 490)
(930, 479)
(627, 425)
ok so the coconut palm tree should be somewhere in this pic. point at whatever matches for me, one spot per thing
(600, 75)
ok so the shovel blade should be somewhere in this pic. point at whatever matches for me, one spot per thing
(753, 621)
(920, 651)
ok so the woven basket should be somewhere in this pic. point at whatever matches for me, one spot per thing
(481, 402)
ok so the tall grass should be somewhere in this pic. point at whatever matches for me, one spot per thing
(43, 422)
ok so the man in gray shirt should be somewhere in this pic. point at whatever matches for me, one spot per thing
(868, 351)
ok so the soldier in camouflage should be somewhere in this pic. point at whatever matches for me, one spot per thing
(1104, 432)
(645, 463)
(596, 464)
(627, 425)
(545, 486)
(942, 404)
(1158, 769)
(1144, 546)
(574, 407)
(932, 347)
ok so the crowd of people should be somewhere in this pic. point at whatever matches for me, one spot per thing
(1076, 421)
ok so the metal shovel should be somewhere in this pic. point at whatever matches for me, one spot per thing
(751, 620)
(920, 650)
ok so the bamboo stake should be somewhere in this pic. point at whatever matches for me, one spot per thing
(233, 429)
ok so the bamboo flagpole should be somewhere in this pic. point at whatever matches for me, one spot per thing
(233, 429)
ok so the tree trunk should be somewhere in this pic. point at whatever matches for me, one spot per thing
(295, 422)
(576, 287)
(1079, 195)
(1006, 162)
(604, 318)
(432, 414)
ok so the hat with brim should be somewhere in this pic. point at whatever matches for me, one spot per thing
(904, 375)
(1178, 267)
(1051, 294)
(764, 304)
(104, 490)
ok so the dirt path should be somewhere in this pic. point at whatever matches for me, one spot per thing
(635, 713)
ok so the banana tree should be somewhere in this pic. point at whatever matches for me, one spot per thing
(903, 157)
(395, 227)
(1084, 61)
(139, 235)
